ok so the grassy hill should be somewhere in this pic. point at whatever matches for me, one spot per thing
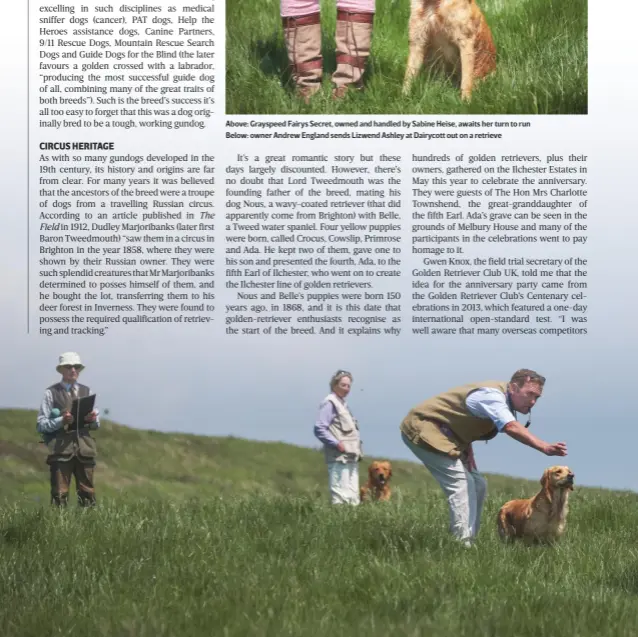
(221, 536)
(135, 463)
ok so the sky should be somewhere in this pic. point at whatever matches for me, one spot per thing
(197, 380)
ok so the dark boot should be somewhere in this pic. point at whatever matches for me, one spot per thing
(60, 500)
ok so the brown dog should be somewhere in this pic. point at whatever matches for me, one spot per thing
(377, 487)
(450, 31)
(543, 517)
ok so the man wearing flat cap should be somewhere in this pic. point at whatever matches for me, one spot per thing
(72, 450)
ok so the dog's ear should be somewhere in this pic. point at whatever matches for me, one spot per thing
(547, 486)
(389, 470)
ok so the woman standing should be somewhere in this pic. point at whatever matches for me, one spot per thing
(338, 430)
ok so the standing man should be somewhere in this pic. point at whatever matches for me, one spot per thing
(441, 430)
(338, 430)
(72, 451)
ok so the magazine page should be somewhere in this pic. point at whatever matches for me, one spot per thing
(296, 254)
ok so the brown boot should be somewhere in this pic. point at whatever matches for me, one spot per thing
(303, 42)
(353, 38)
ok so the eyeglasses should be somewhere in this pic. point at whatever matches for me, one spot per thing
(341, 373)
(78, 367)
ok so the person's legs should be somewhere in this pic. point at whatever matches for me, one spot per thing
(61, 473)
(84, 483)
(353, 483)
(341, 478)
(480, 490)
(458, 489)
(353, 38)
(356, 6)
(302, 32)
(290, 8)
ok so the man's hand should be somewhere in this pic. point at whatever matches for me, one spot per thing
(91, 417)
(340, 447)
(67, 420)
(557, 449)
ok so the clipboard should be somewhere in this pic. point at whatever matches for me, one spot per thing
(81, 408)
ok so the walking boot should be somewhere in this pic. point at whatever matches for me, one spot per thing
(303, 42)
(353, 39)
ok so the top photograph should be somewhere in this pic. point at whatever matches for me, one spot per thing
(402, 57)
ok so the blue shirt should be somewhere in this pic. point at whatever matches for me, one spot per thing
(490, 403)
(326, 415)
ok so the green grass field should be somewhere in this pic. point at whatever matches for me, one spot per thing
(542, 62)
(219, 536)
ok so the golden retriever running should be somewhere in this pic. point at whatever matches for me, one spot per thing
(377, 487)
(541, 518)
(450, 31)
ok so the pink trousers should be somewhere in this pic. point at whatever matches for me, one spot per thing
(290, 8)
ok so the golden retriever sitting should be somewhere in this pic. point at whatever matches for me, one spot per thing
(377, 487)
(450, 32)
(541, 518)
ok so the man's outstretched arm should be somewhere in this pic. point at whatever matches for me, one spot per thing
(521, 434)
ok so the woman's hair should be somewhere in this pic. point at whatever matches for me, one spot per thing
(337, 377)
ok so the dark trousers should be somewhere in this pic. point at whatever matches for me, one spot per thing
(61, 475)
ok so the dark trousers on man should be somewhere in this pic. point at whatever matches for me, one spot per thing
(62, 473)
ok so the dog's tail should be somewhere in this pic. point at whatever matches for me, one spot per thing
(362, 493)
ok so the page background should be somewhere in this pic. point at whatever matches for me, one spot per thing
(269, 389)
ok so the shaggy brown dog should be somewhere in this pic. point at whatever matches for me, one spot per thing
(452, 33)
(377, 488)
(542, 518)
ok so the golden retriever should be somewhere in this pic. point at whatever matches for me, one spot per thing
(450, 32)
(377, 487)
(540, 519)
